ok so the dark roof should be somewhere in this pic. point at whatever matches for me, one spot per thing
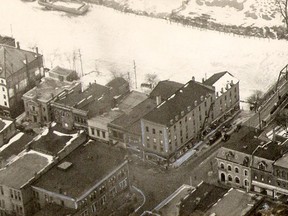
(13, 59)
(54, 209)
(80, 99)
(179, 101)
(245, 140)
(214, 78)
(91, 163)
(201, 199)
(117, 82)
(131, 121)
(165, 89)
(272, 150)
(61, 71)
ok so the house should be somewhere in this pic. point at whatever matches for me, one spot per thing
(179, 120)
(7, 130)
(98, 125)
(20, 70)
(118, 87)
(15, 182)
(37, 101)
(280, 171)
(89, 180)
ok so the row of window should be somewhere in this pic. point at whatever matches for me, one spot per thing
(15, 195)
(236, 169)
(98, 132)
(18, 209)
(237, 180)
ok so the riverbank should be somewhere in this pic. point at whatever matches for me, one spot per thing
(203, 21)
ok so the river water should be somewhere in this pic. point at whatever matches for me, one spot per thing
(109, 40)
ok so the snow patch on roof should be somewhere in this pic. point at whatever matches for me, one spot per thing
(12, 140)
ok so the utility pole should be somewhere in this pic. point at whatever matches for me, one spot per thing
(81, 63)
(134, 66)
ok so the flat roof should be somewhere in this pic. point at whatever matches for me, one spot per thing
(24, 168)
(235, 202)
(91, 163)
(105, 118)
(131, 100)
(48, 89)
(61, 71)
(54, 140)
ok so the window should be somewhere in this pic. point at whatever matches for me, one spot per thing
(245, 172)
(154, 140)
(5, 103)
(4, 96)
(147, 129)
(33, 108)
(98, 133)
(246, 183)
(123, 184)
(186, 119)
(229, 168)
(222, 165)
(11, 194)
(3, 89)
(153, 131)
(1, 190)
(148, 138)
(103, 134)
(236, 170)
(92, 131)
(237, 180)
(160, 131)
(229, 178)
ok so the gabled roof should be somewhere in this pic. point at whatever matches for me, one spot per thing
(116, 82)
(13, 59)
(178, 102)
(165, 89)
(214, 78)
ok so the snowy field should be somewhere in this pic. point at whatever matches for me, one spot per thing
(110, 40)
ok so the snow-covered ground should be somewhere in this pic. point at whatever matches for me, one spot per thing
(110, 40)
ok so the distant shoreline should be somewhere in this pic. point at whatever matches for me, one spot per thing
(275, 32)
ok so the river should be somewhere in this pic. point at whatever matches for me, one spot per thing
(109, 40)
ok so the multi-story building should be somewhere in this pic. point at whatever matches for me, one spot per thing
(37, 101)
(235, 157)
(75, 108)
(15, 182)
(88, 180)
(20, 70)
(280, 171)
(169, 129)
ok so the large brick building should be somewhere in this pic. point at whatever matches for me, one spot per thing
(20, 70)
(169, 129)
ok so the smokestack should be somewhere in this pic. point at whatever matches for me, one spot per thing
(18, 45)
(203, 80)
(37, 52)
(193, 78)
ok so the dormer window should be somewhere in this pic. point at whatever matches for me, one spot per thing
(189, 108)
(182, 113)
(262, 165)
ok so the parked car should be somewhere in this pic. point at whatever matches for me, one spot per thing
(214, 137)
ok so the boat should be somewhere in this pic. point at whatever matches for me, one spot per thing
(69, 6)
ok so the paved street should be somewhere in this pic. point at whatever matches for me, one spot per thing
(157, 183)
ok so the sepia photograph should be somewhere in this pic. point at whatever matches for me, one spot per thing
(143, 107)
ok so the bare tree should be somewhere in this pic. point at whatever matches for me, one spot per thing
(283, 7)
(255, 99)
(151, 78)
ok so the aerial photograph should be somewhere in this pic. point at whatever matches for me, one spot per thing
(143, 107)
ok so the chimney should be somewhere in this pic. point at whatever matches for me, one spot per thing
(158, 99)
(18, 45)
(217, 94)
(37, 52)
(232, 82)
(202, 98)
(203, 80)
(222, 90)
(193, 78)
(195, 103)
(227, 86)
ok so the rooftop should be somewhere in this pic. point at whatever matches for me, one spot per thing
(48, 89)
(79, 99)
(235, 202)
(268, 208)
(245, 140)
(61, 71)
(25, 165)
(117, 82)
(54, 140)
(131, 100)
(165, 89)
(91, 163)
(201, 199)
(4, 123)
(131, 121)
(178, 102)
(282, 162)
(13, 59)
(105, 118)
